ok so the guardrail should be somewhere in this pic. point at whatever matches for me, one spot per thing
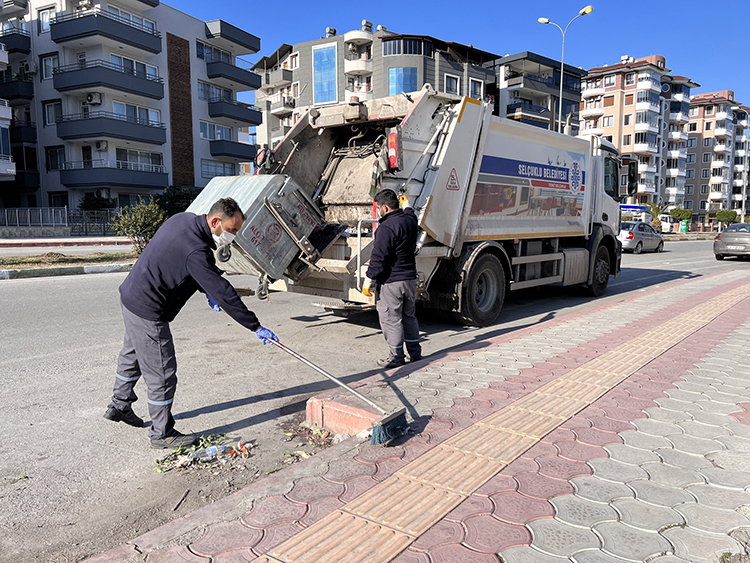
(34, 217)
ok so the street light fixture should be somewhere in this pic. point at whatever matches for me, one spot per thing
(582, 12)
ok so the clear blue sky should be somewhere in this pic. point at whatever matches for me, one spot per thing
(703, 40)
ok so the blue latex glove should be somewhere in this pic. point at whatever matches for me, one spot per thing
(213, 304)
(265, 335)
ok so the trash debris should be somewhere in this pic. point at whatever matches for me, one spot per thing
(211, 451)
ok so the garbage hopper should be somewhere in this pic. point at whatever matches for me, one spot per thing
(684, 226)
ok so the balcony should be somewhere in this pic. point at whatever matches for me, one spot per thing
(17, 90)
(277, 78)
(679, 117)
(99, 74)
(645, 148)
(232, 77)
(356, 65)
(231, 113)
(362, 93)
(718, 180)
(16, 40)
(88, 27)
(6, 113)
(721, 147)
(677, 136)
(675, 172)
(283, 106)
(231, 38)
(358, 37)
(738, 183)
(646, 188)
(520, 111)
(540, 84)
(281, 131)
(112, 125)
(646, 167)
(24, 180)
(3, 56)
(592, 131)
(588, 112)
(22, 131)
(7, 168)
(14, 7)
(647, 106)
(592, 92)
(112, 173)
(650, 127)
(722, 132)
(233, 149)
(648, 84)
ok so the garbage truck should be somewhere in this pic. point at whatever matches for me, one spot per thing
(501, 205)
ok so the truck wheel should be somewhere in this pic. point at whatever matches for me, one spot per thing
(601, 272)
(483, 292)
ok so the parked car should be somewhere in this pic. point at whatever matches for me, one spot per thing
(733, 241)
(636, 236)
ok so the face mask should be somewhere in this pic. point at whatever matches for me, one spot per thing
(224, 238)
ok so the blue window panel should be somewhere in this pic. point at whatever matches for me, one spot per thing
(324, 74)
(402, 80)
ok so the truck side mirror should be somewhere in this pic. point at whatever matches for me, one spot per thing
(632, 177)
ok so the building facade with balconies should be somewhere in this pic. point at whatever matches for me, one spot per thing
(122, 99)
(717, 155)
(362, 64)
(643, 109)
(529, 91)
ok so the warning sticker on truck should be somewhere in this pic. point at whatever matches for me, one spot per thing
(452, 181)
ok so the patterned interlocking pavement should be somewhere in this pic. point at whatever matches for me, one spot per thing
(618, 433)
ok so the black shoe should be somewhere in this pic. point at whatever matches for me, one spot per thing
(172, 442)
(415, 358)
(389, 363)
(127, 416)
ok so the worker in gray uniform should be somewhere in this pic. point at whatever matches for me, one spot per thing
(393, 269)
(177, 262)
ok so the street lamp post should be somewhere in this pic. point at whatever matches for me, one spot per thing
(583, 12)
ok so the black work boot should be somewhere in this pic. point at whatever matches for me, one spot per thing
(127, 416)
(173, 441)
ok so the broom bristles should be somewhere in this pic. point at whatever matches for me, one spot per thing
(389, 427)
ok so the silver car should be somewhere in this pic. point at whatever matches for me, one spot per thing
(636, 236)
(733, 241)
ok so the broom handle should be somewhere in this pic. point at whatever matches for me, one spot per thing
(328, 375)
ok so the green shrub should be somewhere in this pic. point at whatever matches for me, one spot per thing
(139, 223)
(726, 216)
(681, 214)
(176, 199)
(92, 202)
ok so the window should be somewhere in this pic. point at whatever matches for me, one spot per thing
(707, 157)
(693, 112)
(54, 157)
(708, 142)
(692, 142)
(706, 173)
(609, 101)
(690, 157)
(688, 204)
(402, 80)
(475, 87)
(412, 46)
(136, 114)
(689, 189)
(212, 168)
(629, 78)
(609, 80)
(452, 84)
(707, 126)
(295, 90)
(324, 74)
(689, 173)
(608, 121)
(293, 61)
(629, 99)
(132, 19)
(692, 127)
(212, 54)
(704, 204)
(139, 160)
(627, 139)
(212, 93)
(214, 132)
(44, 17)
(391, 47)
(49, 64)
(131, 66)
(709, 110)
(52, 111)
(627, 119)
(704, 188)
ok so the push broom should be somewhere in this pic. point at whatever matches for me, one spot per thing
(386, 428)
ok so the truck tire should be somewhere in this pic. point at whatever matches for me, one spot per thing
(601, 272)
(483, 292)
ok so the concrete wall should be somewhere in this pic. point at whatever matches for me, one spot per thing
(34, 232)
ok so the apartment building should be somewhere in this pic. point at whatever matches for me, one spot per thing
(362, 64)
(643, 109)
(529, 91)
(120, 99)
(7, 166)
(717, 153)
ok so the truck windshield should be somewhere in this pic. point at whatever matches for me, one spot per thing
(611, 174)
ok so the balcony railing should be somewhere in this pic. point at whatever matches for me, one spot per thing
(109, 115)
(118, 164)
(99, 63)
(528, 107)
(104, 14)
(509, 75)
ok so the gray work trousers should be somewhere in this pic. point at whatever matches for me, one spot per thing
(396, 305)
(148, 351)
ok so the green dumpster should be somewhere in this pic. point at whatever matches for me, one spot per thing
(684, 226)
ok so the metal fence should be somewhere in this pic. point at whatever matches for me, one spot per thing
(34, 217)
(87, 223)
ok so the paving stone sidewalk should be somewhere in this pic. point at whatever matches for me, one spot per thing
(653, 469)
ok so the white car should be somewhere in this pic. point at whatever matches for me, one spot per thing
(636, 236)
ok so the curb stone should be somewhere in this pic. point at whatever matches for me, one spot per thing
(63, 271)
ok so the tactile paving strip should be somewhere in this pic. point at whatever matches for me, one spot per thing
(382, 522)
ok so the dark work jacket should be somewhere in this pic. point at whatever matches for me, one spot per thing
(393, 254)
(177, 262)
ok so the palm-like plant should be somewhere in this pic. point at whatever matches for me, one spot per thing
(655, 209)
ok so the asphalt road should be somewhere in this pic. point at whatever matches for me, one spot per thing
(73, 484)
